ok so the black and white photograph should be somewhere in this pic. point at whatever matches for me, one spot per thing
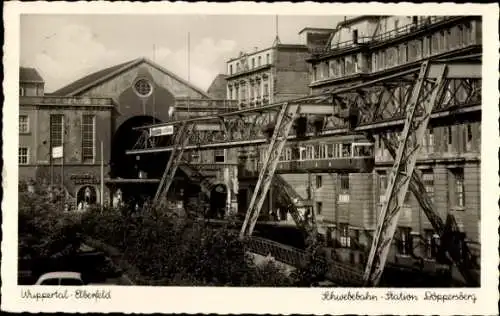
(339, 153)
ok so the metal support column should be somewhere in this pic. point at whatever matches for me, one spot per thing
(284, 122)
(418, 189)
(402, 171)
(180, 141)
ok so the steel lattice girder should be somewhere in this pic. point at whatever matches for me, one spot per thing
(418, 189)
(380, 103)
(418, 113)
(174, 160)
(284, 122)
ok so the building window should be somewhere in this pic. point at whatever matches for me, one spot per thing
(319, 208)
(382, 186)
(314, 72)
(449, 133)
(355, 36)
(23, 158)
(88, 138)
(428, 182)
(342, 66)
(344, 188)
(431, 243)
(268, 59)
(319, 182)
(429, 140)
(404, 241)
(266, 89)
(345, 240)
(259, 61)
(24, 126)
(253, 62)
(56, 130)
(220, 155)
(468, 138)
(195, 156)
(406, 201)
(21, 91)
(459, 187)
(230, 69)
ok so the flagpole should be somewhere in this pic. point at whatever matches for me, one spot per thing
(62, 164)
(189, 67)
(102, 177)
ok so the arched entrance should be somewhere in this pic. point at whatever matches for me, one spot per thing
(218, 200)
(127, 166)
(86, 196)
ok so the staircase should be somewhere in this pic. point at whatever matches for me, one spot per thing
(292, 199)
(195, 175)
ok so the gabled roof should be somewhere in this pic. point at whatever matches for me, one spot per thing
(75, 86)
(217, 88)
(103, 75)
(31, 75)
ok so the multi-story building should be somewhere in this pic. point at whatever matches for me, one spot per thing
(349, 191)
(268, 75)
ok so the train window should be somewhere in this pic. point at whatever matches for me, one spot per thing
(362, 150)
(309, 152)
(346, 150)
(337, 151)
(329, 150)
(317, 151)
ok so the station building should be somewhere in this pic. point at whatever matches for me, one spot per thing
(92, 119)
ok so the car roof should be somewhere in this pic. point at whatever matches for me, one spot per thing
(61, 275)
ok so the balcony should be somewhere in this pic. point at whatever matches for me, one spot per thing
(404, 30)
(249, 70)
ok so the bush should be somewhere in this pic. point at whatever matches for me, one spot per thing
(44, 230)
(163, 247)
(169, 249)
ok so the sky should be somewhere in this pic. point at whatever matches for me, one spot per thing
(64, 48)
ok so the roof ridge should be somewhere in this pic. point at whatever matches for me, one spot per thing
(86, 80)
(103, 74)
(176, 77)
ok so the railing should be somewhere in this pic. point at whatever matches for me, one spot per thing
(400, 31)
(62, 101)
(408, 28)
(340, 273)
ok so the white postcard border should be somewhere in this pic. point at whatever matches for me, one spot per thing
(256, 300)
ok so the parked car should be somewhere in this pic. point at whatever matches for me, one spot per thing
(60, 278)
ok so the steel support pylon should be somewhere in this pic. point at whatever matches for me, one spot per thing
(418, 189)
(284, 122)
(401, 173)
(180, 141)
